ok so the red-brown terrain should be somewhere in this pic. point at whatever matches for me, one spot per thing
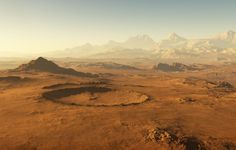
(45, 106)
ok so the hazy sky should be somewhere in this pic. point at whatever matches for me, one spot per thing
(42, 25)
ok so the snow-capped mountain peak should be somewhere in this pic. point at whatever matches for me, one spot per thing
(141, 37)
(140, 41)
(174, 46)
(175, 37)
(229, 36)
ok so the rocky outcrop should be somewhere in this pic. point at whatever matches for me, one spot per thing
(175, 67)
(175, 138)
(225, 85)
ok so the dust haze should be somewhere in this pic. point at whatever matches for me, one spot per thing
(127, 98)
(176, 93)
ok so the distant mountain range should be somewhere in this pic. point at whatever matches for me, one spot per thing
(221, 46)
(220, 41)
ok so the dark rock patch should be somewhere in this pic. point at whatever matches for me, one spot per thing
(187, 100)
(225, 85)
(165, 135)
(221, 89)
(192, 143)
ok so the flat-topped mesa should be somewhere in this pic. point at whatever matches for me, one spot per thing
(44, 65)
(175, 67)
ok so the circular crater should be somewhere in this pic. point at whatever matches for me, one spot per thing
(95, 96)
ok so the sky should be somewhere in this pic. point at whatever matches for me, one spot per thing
(28, 26)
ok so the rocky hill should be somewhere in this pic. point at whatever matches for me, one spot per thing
(44, 65)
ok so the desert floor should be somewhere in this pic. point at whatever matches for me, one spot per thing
(141, 110)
